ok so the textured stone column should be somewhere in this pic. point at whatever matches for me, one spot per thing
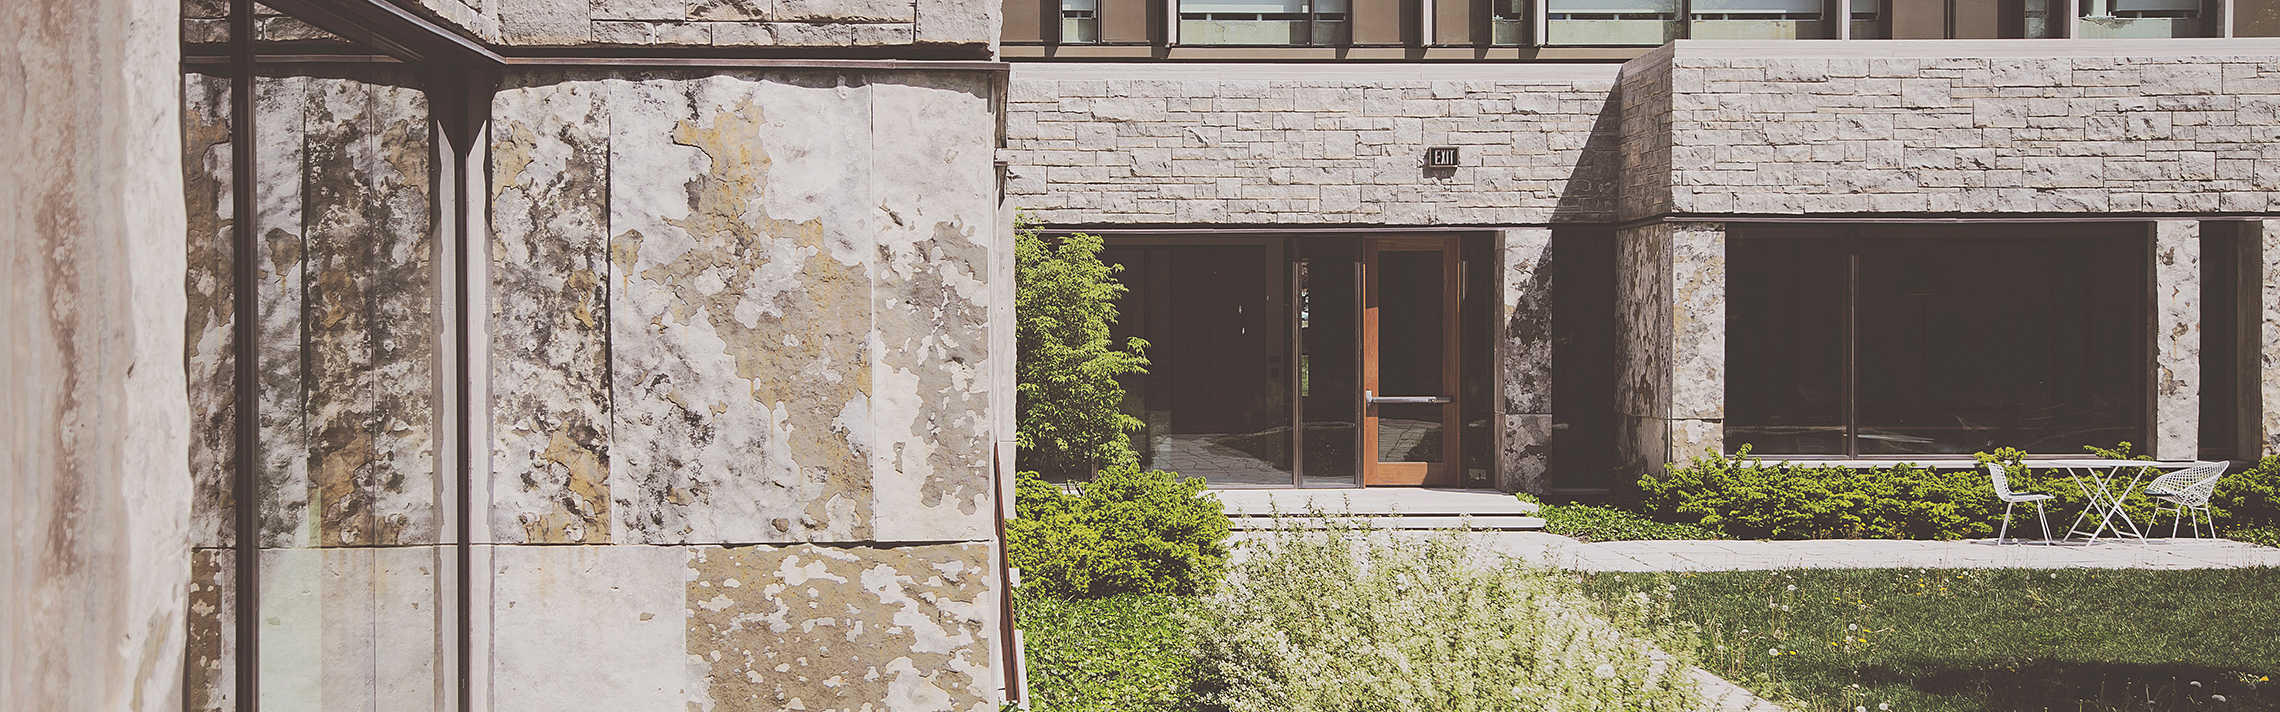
(1524, 360)
(1671, 332)
(97, 494)
(2175, 402)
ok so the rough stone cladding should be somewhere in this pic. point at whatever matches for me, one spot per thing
(1644, 156)
(2160, 126)
(1241, 145)
(740, 355)
(746, 23)
(1670, 333)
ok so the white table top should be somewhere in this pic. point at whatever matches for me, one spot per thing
(1959, 464)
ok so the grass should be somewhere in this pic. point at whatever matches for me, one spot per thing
(1128, 652)
(2077, 641)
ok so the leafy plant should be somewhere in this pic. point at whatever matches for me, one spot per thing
(1068, 398)
(1742, 496)
(2248, 502)
(1343, 618)
(1595, 523)
(1126, 531)
(1127, 652)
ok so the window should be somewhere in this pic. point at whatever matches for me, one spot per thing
(1756, 20)
(1867, 24)
(2139, 18)
(1508, 22)
(1910, 340)
(1611, 22)
(1080, 21)
(1262, 22)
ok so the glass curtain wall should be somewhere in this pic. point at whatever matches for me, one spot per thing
(1909, 340)
(345, 593)
(1255, 358)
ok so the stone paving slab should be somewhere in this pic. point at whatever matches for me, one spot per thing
(1643, 556)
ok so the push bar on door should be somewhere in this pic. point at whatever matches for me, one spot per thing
(1378, 399)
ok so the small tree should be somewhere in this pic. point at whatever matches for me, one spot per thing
(1069, 401)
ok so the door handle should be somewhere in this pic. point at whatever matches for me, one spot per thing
(1375, 399)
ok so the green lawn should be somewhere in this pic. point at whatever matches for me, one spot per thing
(1114, 654)
(1977, 640)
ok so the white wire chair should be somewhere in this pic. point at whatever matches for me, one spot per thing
(2187, 491)
(2012, 499)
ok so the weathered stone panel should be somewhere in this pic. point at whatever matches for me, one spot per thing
(550, 460)
(1261, 144)
(2176, 330)
(797, 340)
(869, 24)
(740, 305)
(832, 628)
(1524, 358)
(930, 356)
(1671, 332)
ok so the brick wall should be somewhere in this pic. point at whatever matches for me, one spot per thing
(1229, 144)
(2163, 126)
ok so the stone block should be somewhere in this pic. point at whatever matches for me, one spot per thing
(544, 22)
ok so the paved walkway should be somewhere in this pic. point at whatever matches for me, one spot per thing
(1854, 554)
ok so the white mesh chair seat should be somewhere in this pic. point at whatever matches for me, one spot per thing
(2187, 491)
(2002, 481)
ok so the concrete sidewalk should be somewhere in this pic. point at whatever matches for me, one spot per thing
(1866, 554)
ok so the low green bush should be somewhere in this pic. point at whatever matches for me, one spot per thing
(1126, 531)
(1586, 522)
(1340, 619)
(1744, 497)
(1127, 652)
(2249, 500)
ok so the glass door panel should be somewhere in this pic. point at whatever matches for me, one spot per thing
(1328, 299)
(1409, 370)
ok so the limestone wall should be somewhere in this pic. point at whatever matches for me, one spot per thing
(96, 498)
(2085, 126)
(836, 24)
(740, 361)
(1252, 144)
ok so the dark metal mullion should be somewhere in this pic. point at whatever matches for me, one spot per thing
(1297, 376)
(245, 312)
(1852, 346)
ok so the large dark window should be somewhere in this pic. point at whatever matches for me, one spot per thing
(1935, 339)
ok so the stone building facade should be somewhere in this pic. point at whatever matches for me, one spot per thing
(1650, 169)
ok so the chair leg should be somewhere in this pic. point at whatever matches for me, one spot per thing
(2006, 528)
(2045, 520)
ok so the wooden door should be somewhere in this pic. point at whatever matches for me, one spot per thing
(1410, 414)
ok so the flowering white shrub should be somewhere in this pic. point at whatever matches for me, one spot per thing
(1345, 618)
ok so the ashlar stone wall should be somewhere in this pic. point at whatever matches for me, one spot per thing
(2084, 126)
(741, 422)
(1252, 144)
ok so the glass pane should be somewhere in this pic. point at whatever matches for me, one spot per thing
(2139, 18)
(1215, 402)
(210, 359)
(2256, 18)
(1785, 345)
(1974, 338)
(1411, 354)
(1612, 22)
(1409, 433)
(1329, 369)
